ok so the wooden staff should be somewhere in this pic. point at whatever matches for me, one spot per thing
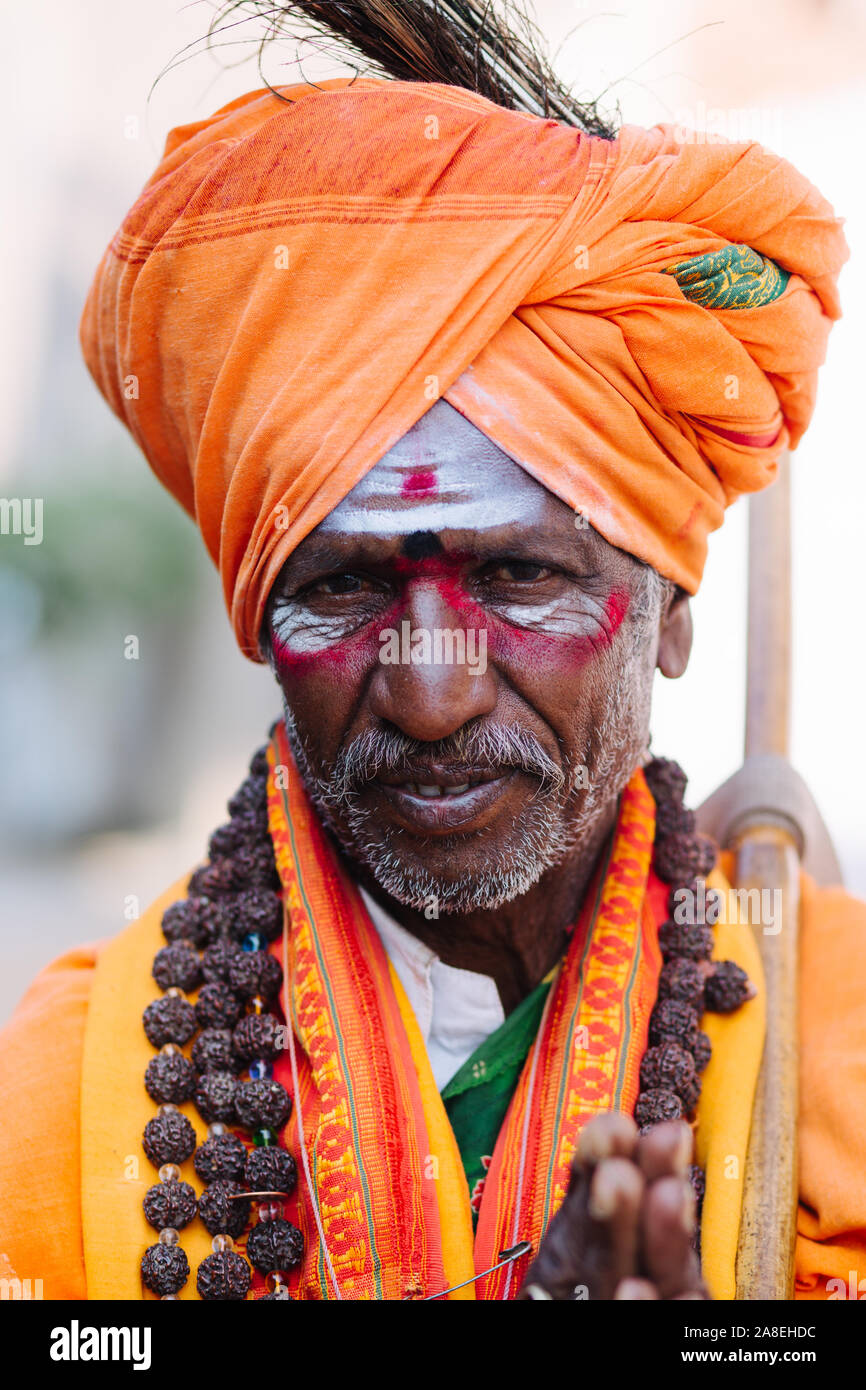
(768, 850)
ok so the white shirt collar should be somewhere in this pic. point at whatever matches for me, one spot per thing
(455, 1009)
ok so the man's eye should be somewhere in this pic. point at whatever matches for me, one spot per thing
(335, 585)
(517, 572)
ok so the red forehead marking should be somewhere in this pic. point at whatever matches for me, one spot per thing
(420, 484)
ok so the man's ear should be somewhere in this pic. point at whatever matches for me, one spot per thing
(675, 636)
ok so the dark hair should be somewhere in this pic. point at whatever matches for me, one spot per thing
(491, 47)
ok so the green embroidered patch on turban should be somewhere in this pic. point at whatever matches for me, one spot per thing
(734, 278)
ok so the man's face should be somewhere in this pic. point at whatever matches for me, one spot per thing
(466, 671)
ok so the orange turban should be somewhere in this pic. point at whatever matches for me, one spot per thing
(637, 322)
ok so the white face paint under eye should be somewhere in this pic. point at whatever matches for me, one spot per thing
(306, 633)
(559, 617)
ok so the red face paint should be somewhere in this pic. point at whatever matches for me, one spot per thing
(533, 646)
(420, 484)
(509, 642)
(615, 610)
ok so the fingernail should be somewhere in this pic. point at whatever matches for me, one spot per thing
(634, 1290)
(687, 1210)
(602, 1198)
(593, 1145)
(685, 1149)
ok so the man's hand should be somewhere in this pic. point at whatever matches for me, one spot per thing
(626, 1226)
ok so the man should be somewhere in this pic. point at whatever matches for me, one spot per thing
(455, 395)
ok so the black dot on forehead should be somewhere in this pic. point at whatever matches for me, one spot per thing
(420, 545)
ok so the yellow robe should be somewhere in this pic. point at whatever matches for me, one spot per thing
(71, 1184)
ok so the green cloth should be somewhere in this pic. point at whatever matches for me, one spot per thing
(478, 1095)
(734, 278)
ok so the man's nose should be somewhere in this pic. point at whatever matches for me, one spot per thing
(441, 678)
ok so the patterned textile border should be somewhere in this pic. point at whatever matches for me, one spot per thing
(591, 1041)
(368, 1142)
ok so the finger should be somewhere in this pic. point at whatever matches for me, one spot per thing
(613, 1134)
(615, 1197)
(593, 1239)
(665, 1151)
(667, 1230)
(635, 1289)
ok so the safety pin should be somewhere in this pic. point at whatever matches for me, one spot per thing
(514, 1252)
(257, 1196)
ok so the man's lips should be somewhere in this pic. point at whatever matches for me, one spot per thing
(435, 779)
(440, 800)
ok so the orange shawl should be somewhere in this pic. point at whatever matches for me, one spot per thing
(71, 1209)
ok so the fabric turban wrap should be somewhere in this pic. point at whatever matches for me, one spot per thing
(638, 322)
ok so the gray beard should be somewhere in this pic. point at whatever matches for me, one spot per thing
(554, 826)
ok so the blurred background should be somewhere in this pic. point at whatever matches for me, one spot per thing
(105, 797)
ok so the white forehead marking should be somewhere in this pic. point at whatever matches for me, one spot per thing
(474, 485)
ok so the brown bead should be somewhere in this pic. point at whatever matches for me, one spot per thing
(270, 1170)
(670, 1067)
(680, 857)
(694, 940)
(197, 919)
(169, 1204)
(671, 1021)
(218, 1213)
(217, 1006)
(177, 966)
(259, 763)
(654, 1107)
(726, 988)
(255, 866)
(702, 1051)
(274, 1245)
(168, 1138)
(222, 1156)
(215, 1096)
(240, 832)
(164, 1269)
(216, 879)
(665, 779)
(223, 1277)
(216, 960)
(262, 1104)
(259, 1036)
(673, 818)
(251, 795)
(258, 910)
(169, 1020)
(213, 1050)
(698, 1180)
(169, 1080)
(255, 972)
(682, 979)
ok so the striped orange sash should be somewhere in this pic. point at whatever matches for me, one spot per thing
(382, 1199)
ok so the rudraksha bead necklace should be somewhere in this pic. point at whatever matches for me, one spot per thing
(217, 944)
(689, 983)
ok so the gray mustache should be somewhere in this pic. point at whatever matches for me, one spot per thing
(487, 746)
